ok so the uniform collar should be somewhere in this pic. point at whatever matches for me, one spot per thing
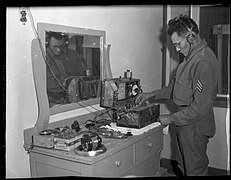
(61, 57)
(196, 49)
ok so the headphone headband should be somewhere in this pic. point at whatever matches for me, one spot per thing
(190, 38)
(183, 22)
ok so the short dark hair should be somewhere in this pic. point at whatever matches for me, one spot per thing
(181, 25)
(56, 35)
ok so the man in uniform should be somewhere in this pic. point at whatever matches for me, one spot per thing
(62, 62)
(193, 90)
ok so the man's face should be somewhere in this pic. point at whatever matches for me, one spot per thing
(57, 46)
(180, 43)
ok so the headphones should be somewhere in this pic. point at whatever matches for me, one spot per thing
(48, 37)
(191, 37)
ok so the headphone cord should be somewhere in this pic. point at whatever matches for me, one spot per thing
(42, 50)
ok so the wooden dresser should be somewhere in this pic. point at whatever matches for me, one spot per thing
(135, 156)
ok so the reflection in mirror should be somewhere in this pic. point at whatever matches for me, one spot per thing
(72, 68)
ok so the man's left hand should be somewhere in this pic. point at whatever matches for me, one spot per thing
(165, 119)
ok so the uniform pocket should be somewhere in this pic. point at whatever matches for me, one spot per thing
(183, 90)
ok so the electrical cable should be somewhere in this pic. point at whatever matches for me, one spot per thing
(42, 50)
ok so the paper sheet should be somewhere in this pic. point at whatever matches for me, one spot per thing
(134, 131)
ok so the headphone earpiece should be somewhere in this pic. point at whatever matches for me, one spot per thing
(190, 38)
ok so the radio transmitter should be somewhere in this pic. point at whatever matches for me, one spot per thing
(119, 92)
(139, 117)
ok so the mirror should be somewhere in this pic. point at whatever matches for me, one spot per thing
(73, 66)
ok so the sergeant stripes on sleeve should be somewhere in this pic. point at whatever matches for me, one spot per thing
(199, 86)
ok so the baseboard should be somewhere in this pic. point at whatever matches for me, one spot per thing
(216, 171)
(170, 164)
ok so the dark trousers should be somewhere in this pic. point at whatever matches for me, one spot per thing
(192, 145)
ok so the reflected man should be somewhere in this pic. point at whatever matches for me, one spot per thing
(62, 63)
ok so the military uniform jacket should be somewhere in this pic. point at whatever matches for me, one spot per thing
(70, 65)
(194, 89)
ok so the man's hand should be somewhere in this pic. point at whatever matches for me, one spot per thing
(142, 97)
(165, 119)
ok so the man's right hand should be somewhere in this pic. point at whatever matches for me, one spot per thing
(142, 97)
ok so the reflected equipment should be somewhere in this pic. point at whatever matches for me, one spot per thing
(82, 88)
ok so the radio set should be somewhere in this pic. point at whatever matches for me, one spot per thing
(139, 117)
(119, 94)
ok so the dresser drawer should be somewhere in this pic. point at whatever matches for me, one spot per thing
(148, 167)
(46, 166)
(117, 164)
(148, 146)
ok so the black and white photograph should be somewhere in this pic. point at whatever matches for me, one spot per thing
(117, 91)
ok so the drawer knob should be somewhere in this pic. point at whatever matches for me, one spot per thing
(149, 145)
(118, 163)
